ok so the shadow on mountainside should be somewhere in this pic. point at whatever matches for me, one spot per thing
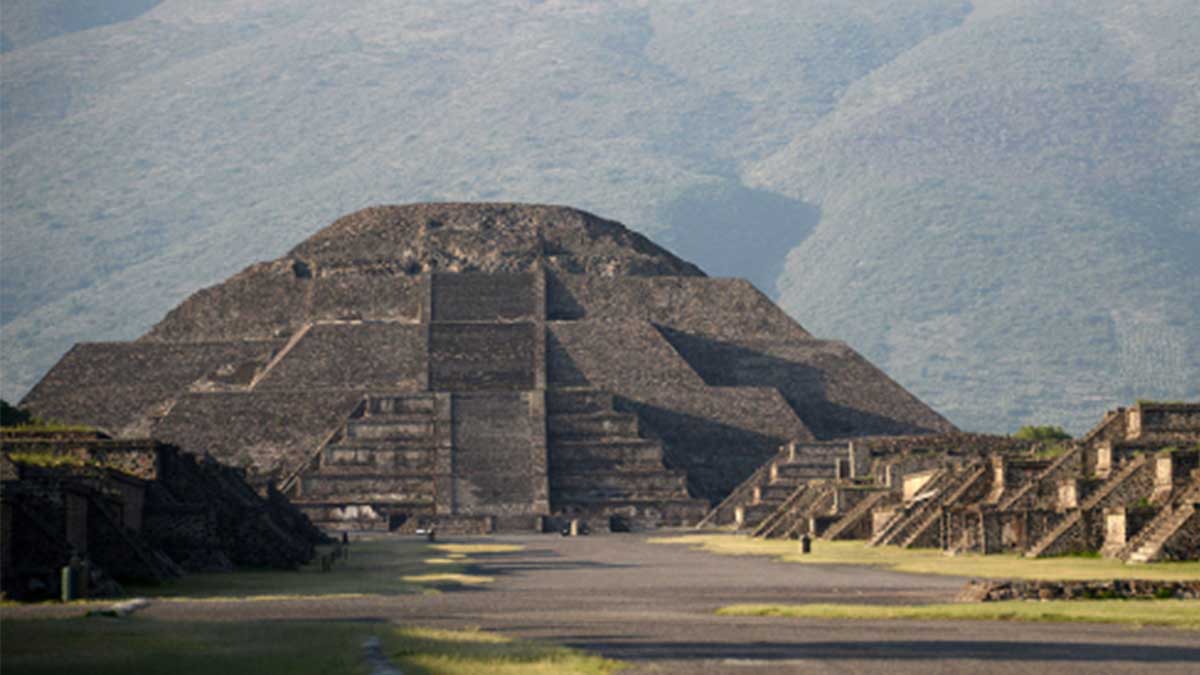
(733, 231)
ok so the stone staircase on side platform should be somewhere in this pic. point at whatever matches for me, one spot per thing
(377, 472)
(601, 468)
(1148, 545)
(854, 517)
(1051, 543)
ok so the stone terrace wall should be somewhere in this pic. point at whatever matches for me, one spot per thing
(612, 355)
(269, 433)
(717, 307)
(831, 387)
(134, 457)
(198, 505)
(1181, 420)
(718, 434)
(275, 299)
(389, 356)
(377, 297)
(473, 356)
(122, 386)
(264, 301)
(484, 297)
(899, 455)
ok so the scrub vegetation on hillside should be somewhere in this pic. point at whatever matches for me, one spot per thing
(996, 202)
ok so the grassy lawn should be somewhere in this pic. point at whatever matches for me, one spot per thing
(933, 561)
(1173, 613)
(380, 566)
(100, 646)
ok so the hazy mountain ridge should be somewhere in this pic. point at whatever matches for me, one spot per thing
(937, 171)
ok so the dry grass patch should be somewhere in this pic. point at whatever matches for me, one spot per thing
(421, 650)
(1173, 613)
(934, 561)
(476, 549)
(378, 566)
(448, 578)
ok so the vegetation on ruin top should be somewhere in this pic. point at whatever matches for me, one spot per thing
(934, 561)
(1033, 432)
(51, 460)
(15, 420)
(1173, 613)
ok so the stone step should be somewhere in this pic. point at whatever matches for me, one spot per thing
(339, 457)
(415, 429)
(340, 471)
(750, 515)
(377, 406)
(854, 518)
(619, 450)
(588, 466)
(774, 492)
(658, 479)
(598, 425)
(804, 470)
(578, 401)
(379, 516)
(599, 494)
(366, 488)
(621, 515)
(821, 451)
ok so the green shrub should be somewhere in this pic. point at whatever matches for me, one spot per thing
(12, 416)
(1032, 432)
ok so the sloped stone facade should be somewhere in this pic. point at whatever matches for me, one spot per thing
(462, 364)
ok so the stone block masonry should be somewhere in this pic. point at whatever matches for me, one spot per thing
(538, 362)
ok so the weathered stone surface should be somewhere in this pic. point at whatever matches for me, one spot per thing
(137, 510)
(437, 361)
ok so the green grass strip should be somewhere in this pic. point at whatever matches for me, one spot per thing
(1173, 613)
(934, 561)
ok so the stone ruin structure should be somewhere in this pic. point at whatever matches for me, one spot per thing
(482, 367)
(1128, 489)
(137, 510)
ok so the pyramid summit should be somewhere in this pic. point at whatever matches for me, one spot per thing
(482, 366)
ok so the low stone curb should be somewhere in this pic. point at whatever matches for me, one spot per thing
(989, 590)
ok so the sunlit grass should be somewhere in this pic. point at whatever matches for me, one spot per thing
(448, 578)
(476, 549)
(423, 650)
(934, 561)
(1173, 613)
(379, 566)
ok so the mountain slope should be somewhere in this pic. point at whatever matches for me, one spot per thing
(996, 203)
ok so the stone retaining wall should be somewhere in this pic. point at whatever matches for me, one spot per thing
(989, 590)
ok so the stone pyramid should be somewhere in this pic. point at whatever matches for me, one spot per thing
(484, 366)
